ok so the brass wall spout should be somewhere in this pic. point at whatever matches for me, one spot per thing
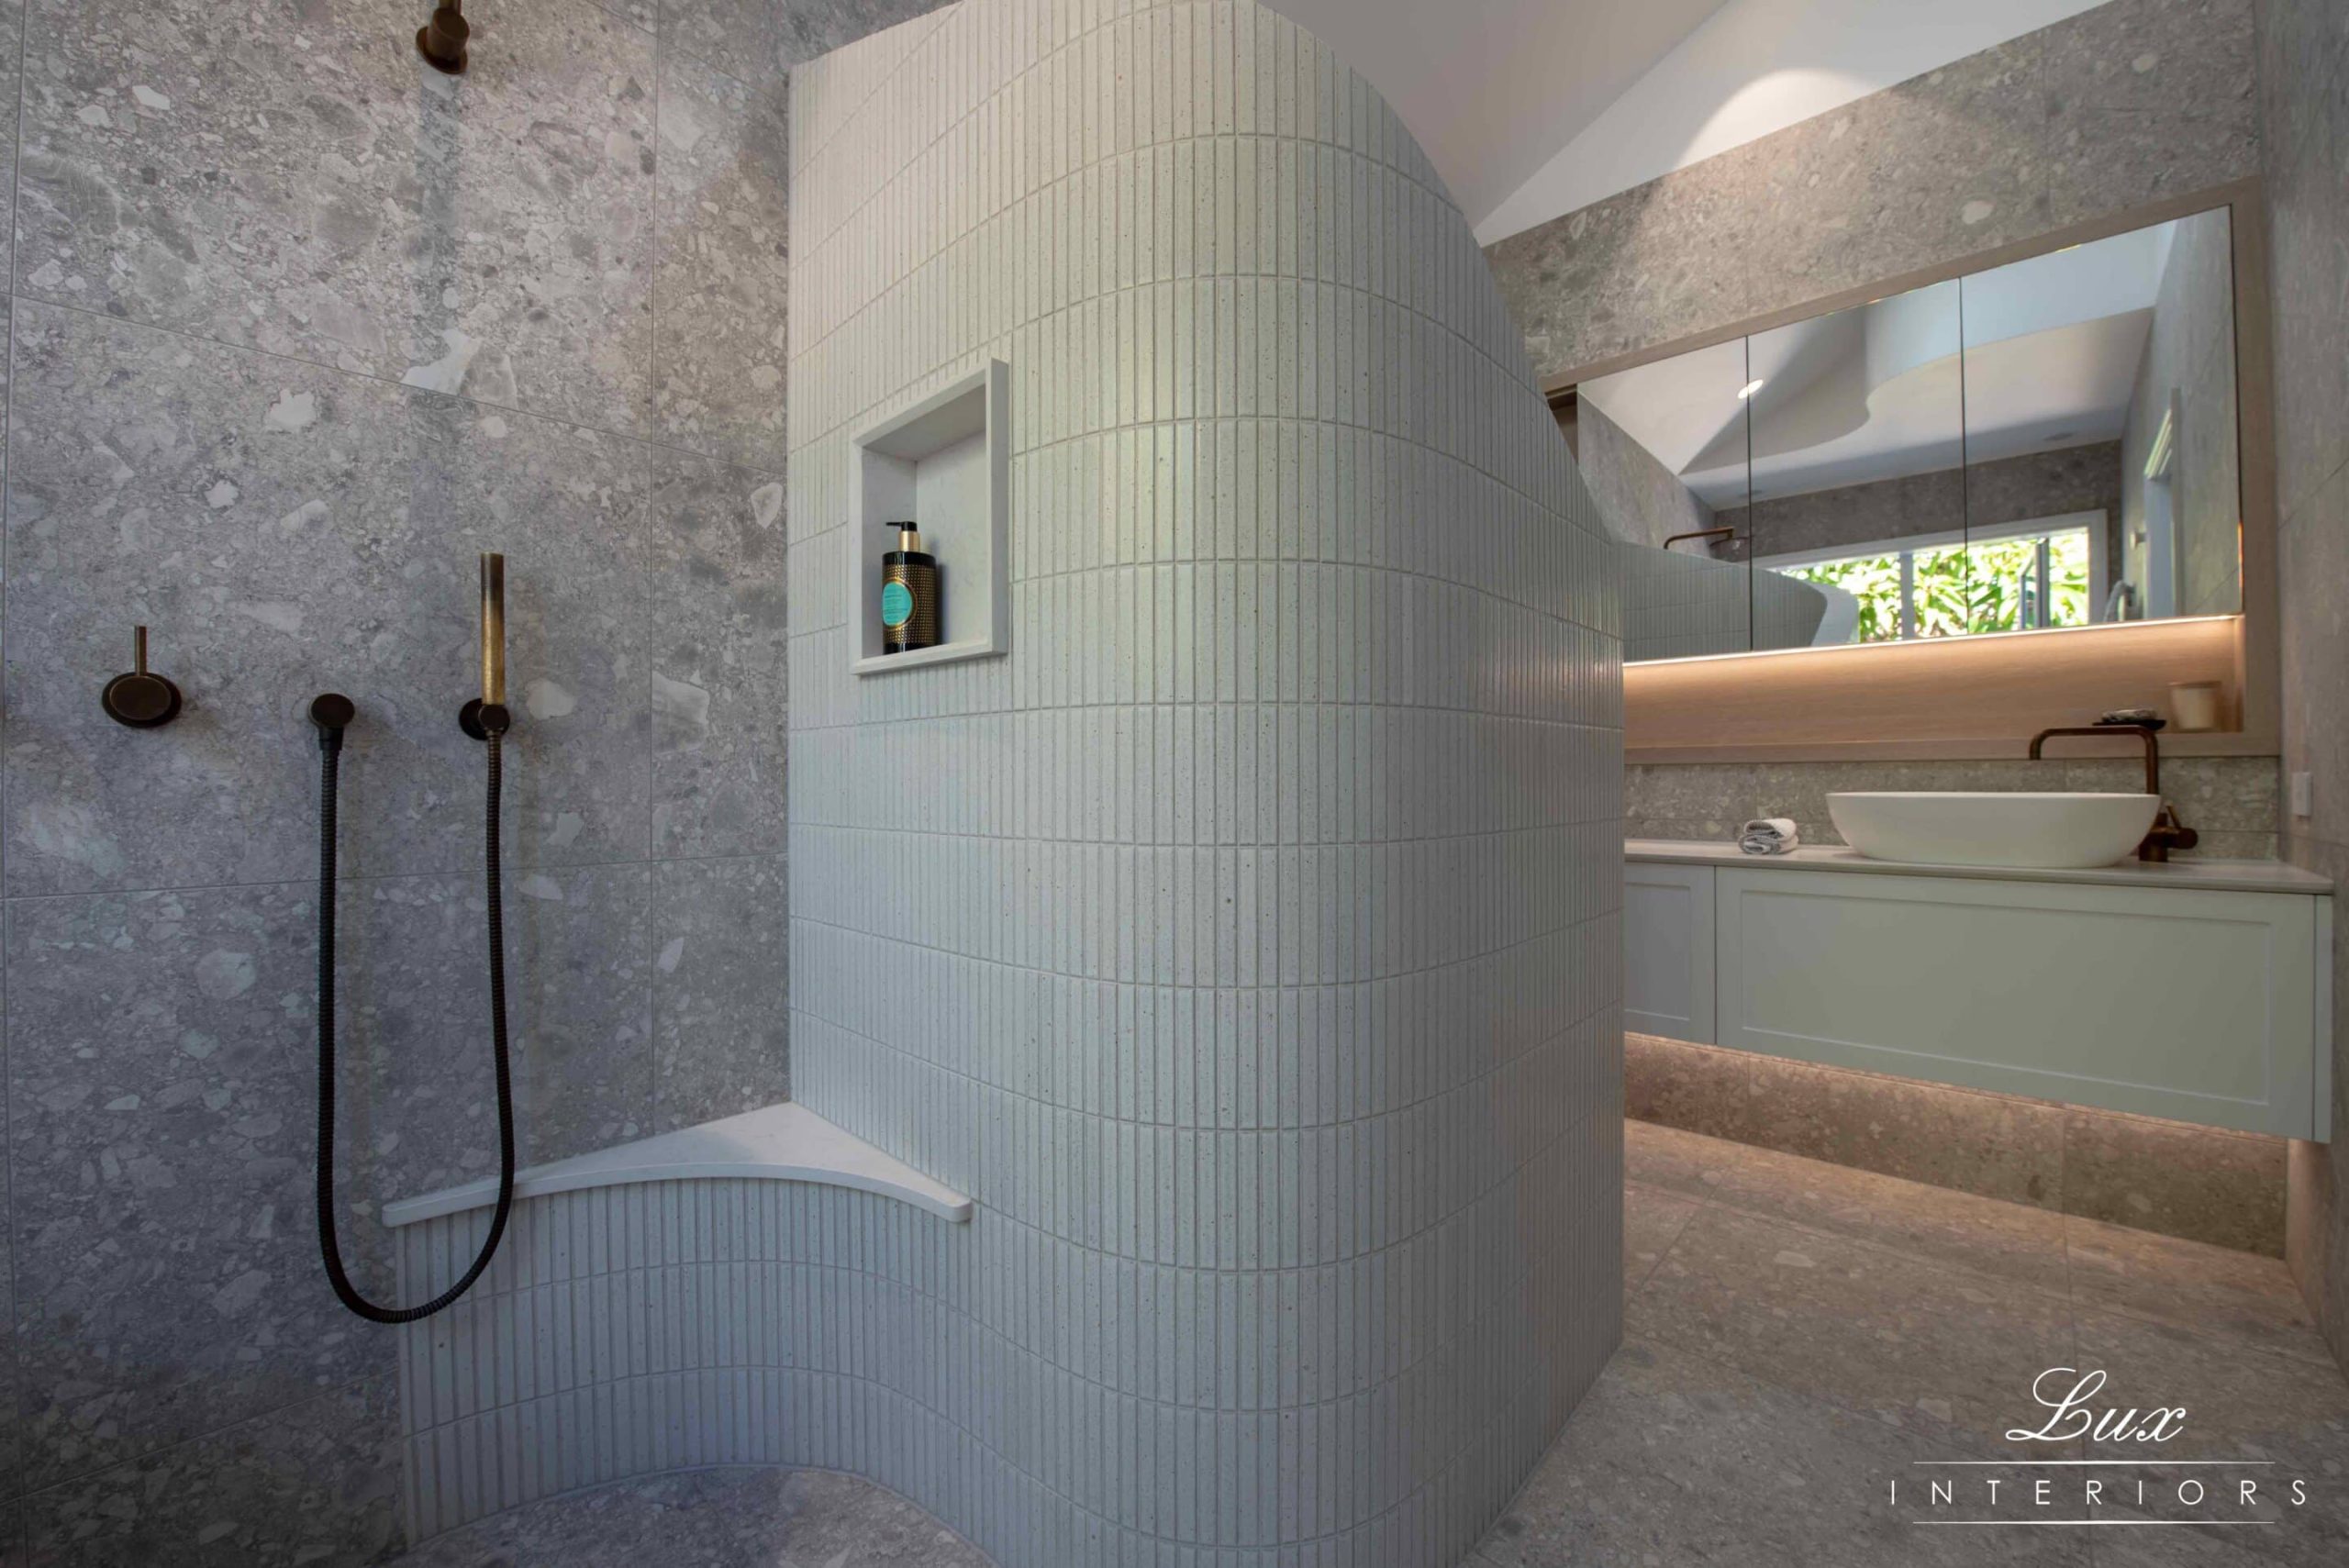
(2168, 832)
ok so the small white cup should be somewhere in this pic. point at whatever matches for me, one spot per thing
(2194, 704)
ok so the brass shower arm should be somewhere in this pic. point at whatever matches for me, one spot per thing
(441, 40)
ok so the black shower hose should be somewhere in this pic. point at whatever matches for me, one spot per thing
(330, 768)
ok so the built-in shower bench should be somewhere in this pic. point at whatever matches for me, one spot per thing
(720, 1295)
(776, 1143)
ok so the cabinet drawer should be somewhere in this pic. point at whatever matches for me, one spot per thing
(1668, 950)
(2198, 1005)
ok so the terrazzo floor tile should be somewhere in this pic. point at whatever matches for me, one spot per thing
(1674, 1458)
(1914, 1345)
(1799, 1334)
(1652, 1220)
(1676, 1161)
(710, 1519)
(2273, 1420)
(2007, 1240)
(2241, 1296)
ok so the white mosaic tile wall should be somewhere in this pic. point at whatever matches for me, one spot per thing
(1245, 942)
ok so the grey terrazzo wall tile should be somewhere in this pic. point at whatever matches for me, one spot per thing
(2304, 59)
(2121, 105)
(720, 658)
(720, 943)
(161, 1089)
(245, 507)
(579, 986)
(346, 204)
(286, 529)
(2303, 90)
(229, 262)
(2231, 801)
(2147, 99)
(1195, 938)
(567, 507)
(723, 275)
(12, 54)
(2199, 1183)
(1942, 165)
(314, 1481)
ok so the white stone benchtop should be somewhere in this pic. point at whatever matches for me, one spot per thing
(777, 1143)
(2213, 876)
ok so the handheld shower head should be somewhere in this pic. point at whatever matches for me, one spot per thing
(487, 715)
(493, 628)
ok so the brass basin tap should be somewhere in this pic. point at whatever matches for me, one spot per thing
(2168, 832)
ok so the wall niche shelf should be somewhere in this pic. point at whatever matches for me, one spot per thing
(945, 462)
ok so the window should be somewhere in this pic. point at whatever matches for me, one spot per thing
(2046, 572)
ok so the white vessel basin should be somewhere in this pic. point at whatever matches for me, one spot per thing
(1980, 828)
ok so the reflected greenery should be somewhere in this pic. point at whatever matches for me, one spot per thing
(2027, 583)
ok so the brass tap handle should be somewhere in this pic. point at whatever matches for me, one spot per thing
(140, 699)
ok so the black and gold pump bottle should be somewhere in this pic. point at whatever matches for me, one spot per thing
(908, 594)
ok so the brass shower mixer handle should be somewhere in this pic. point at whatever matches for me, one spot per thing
(138, 697)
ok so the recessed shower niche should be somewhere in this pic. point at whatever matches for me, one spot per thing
(944, 462)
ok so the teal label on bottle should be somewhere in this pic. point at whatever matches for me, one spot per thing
(897, 605)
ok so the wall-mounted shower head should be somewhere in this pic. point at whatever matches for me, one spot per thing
(441, 40)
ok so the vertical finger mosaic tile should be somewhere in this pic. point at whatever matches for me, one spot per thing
(1245, 942)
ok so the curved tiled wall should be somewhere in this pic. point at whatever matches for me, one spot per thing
(1245, 942)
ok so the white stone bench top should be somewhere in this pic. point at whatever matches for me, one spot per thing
(777, 1143)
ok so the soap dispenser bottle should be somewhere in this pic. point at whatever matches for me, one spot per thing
(908, 594)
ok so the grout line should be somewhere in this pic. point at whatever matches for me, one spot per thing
(1631, 1289)
(18, 1391)
(662, 174)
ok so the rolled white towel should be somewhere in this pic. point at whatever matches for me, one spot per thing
(1769, 836)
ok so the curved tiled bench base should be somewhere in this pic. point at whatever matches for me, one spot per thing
(633, 1329)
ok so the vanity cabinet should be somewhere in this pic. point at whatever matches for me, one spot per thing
(2145, 990)
(1668, 950)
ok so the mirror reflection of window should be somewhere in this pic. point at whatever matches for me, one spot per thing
(2046, 444)
(2086, 369)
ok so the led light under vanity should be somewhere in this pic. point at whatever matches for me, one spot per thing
(2197, 990)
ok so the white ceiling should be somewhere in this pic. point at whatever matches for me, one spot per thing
(1494, 88)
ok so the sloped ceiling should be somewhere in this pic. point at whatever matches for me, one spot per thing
(1494, 88)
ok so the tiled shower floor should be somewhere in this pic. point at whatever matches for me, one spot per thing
(1797, 1336)
(709, 1518)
